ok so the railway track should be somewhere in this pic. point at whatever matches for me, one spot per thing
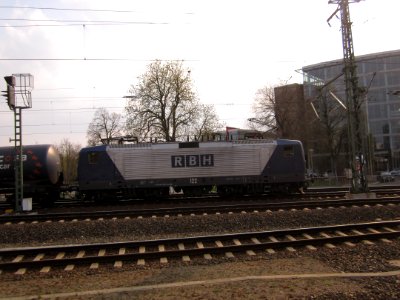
(193, 210)
(312, 193)
(44, 259)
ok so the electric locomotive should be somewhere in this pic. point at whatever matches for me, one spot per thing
(230, 167)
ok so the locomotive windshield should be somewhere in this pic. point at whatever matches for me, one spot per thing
(93, 157)
(288, 151)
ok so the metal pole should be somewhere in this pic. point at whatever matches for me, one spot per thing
(19, 85)
(357, 159)
(18, 166)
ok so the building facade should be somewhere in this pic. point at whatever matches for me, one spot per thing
(290, 112)
(379, 82)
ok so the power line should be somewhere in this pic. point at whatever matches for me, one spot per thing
(74, 21)
(76, 9)
(82, 109)
(52, 89)
(72, 99)
(77, 97)
(88, 23)
(94, 59)
(49, 124)
(69, 25)
(69, 9)
(50, 133)
(69, 59)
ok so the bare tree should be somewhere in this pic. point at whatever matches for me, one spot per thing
(264, 111)
(270, 116)
(163, 103)
(104, 127)
(69, 159)
(333, 130)
(206, 123)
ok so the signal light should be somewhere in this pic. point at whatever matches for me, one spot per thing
(10, 93)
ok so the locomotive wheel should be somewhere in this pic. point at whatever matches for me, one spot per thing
(157, 193)
(230, 190)
(196, 191)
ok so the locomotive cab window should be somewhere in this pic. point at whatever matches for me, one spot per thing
(93, 158)
(288, 151)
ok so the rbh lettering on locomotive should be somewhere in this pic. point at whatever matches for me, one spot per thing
(189, 161)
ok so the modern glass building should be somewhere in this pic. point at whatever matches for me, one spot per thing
(379, 78)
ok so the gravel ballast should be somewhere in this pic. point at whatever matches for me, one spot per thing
(152, 228)
(342, 259)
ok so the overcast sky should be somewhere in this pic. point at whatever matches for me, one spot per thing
(80, 62)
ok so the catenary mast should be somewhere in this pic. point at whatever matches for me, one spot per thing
(353, 100)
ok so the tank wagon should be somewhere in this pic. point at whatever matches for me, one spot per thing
(41, 171)
(232, 167)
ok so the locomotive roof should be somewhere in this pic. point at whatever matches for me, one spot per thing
(176, 145)
(193, 144)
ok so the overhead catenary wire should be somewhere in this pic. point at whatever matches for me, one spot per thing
(95, 59)
(86, 109)
(49, 124)
(91, 23)
(82, 109)
(67, 9)
(75, 9)
(79, 21)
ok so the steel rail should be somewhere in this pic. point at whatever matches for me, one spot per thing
(375, 230)
(311, 193)
(187, 210)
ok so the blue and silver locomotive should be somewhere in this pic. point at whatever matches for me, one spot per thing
(229, 167)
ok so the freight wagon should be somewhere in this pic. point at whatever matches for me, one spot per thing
(41, 172)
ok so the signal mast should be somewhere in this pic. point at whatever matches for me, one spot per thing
(18, 95)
